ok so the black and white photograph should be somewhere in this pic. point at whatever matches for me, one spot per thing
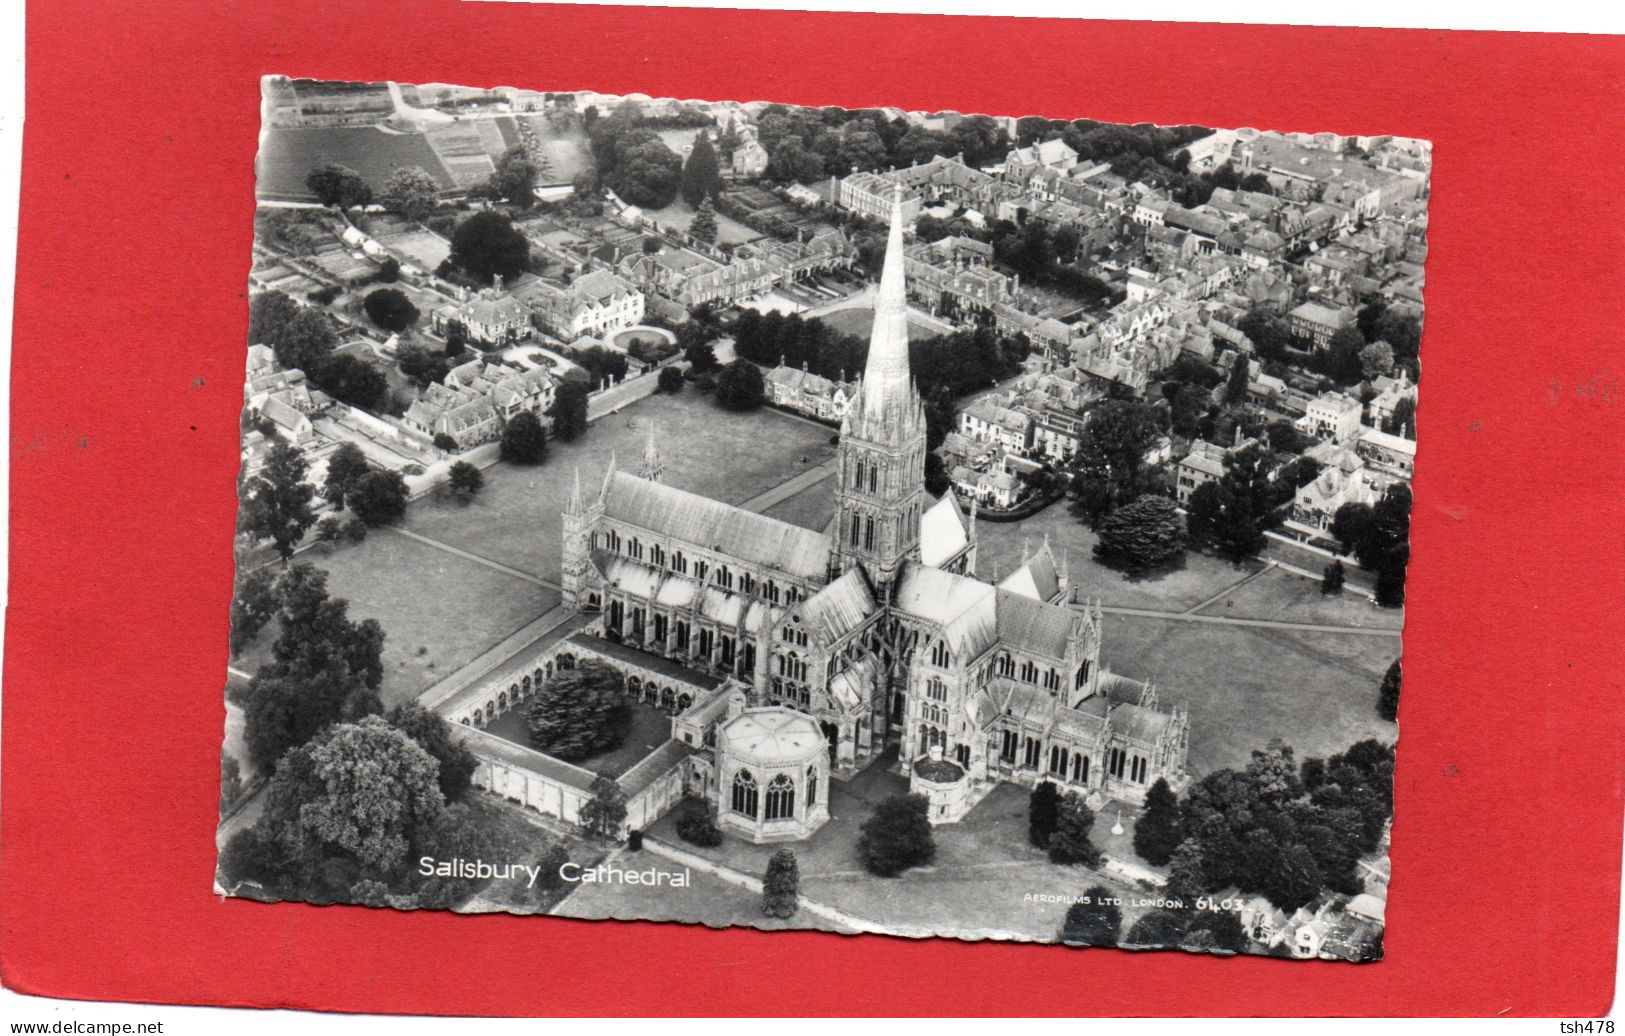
(877, 521)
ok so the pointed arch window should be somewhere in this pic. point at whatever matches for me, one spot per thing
(812, 786)
(745, 793)
(939, 655)
(868, 534)
(781, 798)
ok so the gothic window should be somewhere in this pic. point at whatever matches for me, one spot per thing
(705, 643)
(868, 534)
(682, 634)
(700, 568)
(962, 754)
(749, 658)
(812, 786)
(658, 556)
(660, 627)
(936, 690)
(744, 793)
(1007, 666)
(781, 798)
(874, 477)
(1137, 770)
(1080, 768)
(725, 577)
(1114, 762)
(727, 650)
(1007, 749)
(772, 592)
(680, 563)
(1052, 680)
(939, 655)
(1083, 675)
(636, 548)
(857, 525)
(747, 583)
(1031, 758)
(1029, 672)
(1057, 761)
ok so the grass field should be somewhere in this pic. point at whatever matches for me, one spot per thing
(707, 450)
(720, 904)
(729, 230)
(437, 610)
(975, 887)
(859, 319)
(290, 154)
(1279, 594)
(811, 508)
(1246, 685)
(567, 152)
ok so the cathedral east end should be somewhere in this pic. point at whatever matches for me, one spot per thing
(876, 631)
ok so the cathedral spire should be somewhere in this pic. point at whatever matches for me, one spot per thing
(886, 374)
(576, 505)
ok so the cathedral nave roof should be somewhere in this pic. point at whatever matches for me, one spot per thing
(713, 525)
(840, 607)
(943, 531)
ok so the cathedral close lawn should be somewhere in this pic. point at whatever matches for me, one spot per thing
(732, 457)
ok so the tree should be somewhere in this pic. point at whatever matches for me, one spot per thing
(514, 179)
(379, 498)
(1158, 832)
(1388, 697)
(466, 481)
(896, 836)
(424, 365)
(570, 409)
(1342, 361)
(324, 668)
(1376, 360)
(1109, 470)
(352, 380)
(1331, 579)
(740, 386)
(277, 504)
(252, 606)
(646, 172)
(390, 309)
(1070, 843)
(1155, 930)
(378, 793)
(604, 813)
(338, 186)
(1233, 512)
(1093, 921)
(1384, 548)
(704, 226)
(231, 780)
(1235, 390)
(445, 443)
(1403, 420)
(780, 885)
(1214, 931)
(698, 825)
(701, 357)
(670, 380)
(1349, 525)
(345, 467)
(1043, 811)
(411, 192)
(1142, 535)
(702, 177)
(524, 440)
(432, 733)
(269, 313)
(486, 245)
(580, 712)
(299, 336)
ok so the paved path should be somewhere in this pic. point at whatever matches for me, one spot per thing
(1222, 620)
(785, 490)
(487, 661)
(1232, 588)
(476, 558)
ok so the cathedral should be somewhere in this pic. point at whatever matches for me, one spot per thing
(833, 646)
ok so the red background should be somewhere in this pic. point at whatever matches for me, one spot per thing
(136, 221)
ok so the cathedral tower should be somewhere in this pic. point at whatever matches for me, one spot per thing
(880, 491)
